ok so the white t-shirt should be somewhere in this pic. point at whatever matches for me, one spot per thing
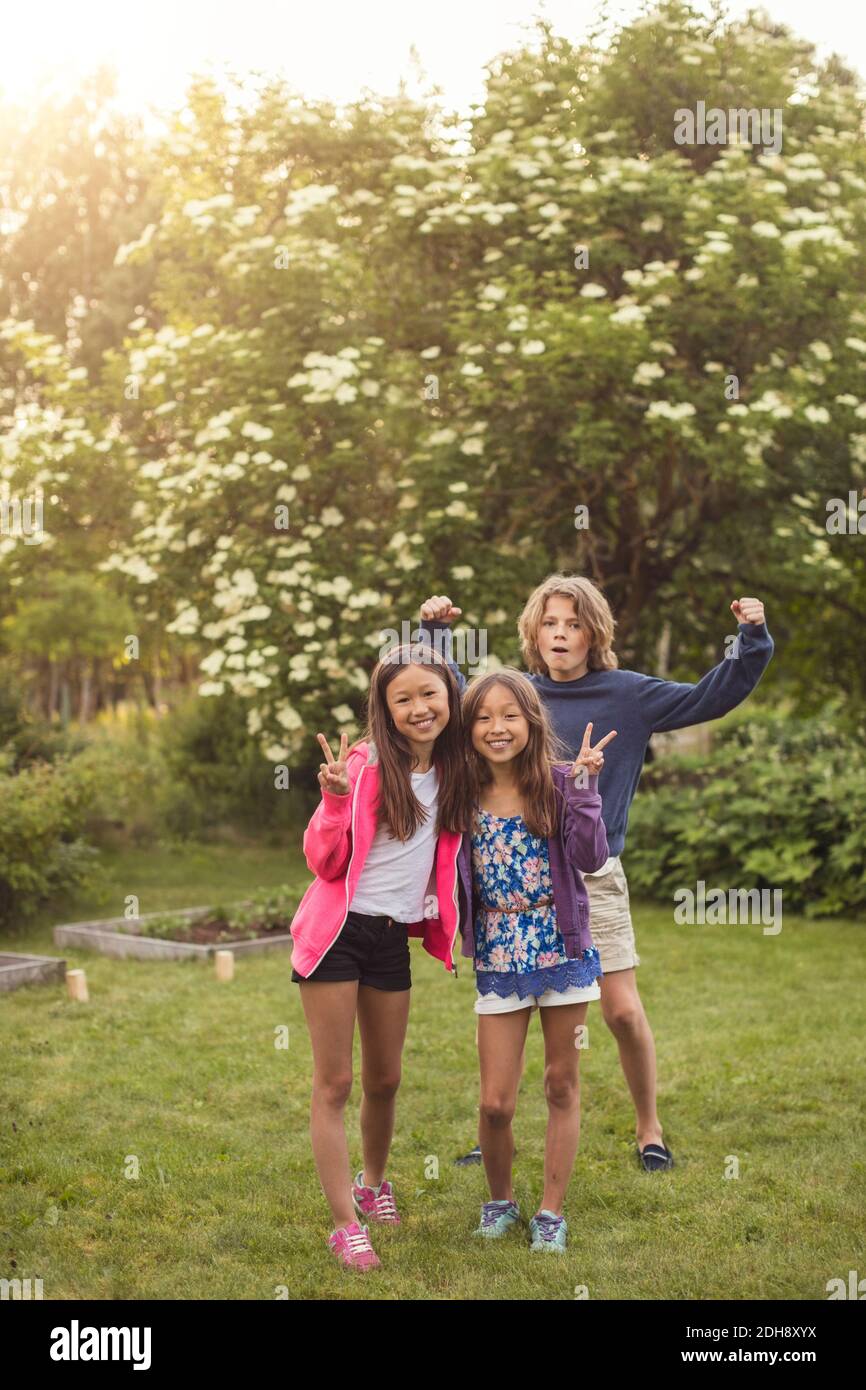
(395, 875)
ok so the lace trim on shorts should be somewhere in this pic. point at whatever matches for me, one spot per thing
(581, 972)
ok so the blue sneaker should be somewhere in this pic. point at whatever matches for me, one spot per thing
(497, 1218)
(548, 1232)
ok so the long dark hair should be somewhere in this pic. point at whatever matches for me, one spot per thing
(398, 806)
(533, 770)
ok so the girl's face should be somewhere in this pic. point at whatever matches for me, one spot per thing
(418, 704)
(563, 643)
(500, 730)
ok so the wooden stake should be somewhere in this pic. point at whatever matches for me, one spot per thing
(76, 986)
(225, 965)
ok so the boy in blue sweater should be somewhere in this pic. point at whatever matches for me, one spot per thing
(566, 634)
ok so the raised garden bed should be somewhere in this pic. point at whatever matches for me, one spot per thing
(259, 924)
(17, 969)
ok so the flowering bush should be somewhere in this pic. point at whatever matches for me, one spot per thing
(385, 354)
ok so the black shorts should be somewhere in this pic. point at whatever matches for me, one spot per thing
(372, 950)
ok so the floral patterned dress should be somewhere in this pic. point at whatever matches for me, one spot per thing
(518, 947)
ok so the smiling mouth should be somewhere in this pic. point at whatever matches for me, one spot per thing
(423, 723)
(498, 742)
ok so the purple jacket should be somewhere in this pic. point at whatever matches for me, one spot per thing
(580, 843)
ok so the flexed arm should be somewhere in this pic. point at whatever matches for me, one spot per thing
(666, 705)
(437, 615)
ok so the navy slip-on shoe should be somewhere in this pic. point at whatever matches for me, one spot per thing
(655, 1158)
(474, 1156)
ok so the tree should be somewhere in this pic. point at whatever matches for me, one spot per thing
(75, 182)
(389, 353)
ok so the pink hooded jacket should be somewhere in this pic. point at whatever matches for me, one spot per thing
(336, 843)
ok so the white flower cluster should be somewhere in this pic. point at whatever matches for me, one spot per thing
(668, 410)
(647, 372)
(309, 199)
(330, 377)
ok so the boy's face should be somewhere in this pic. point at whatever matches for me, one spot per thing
(563, 643)
(500, 730)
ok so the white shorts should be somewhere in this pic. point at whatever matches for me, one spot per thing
(575, 994)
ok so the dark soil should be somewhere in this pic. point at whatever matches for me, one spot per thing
(205, 931)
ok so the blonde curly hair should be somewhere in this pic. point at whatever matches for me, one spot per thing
(592, 610)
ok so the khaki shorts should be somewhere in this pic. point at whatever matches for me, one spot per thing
(610, 919)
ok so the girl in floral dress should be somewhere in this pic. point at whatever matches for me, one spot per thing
(525, 919)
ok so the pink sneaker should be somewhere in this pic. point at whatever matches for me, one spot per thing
(351, 1244)
(377, 1204)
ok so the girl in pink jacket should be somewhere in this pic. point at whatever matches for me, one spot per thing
(383, 845)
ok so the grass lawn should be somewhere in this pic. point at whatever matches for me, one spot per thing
(761, 1058)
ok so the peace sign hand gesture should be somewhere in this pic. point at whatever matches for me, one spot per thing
(590, 758)
(333, 776)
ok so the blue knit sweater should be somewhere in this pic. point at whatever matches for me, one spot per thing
(637, 706)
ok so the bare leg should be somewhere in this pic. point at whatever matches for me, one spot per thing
(624, 1015)
(522, 1070)
(382, 1018)
(562, 1090)
(501, 1041)
(329, 1008)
